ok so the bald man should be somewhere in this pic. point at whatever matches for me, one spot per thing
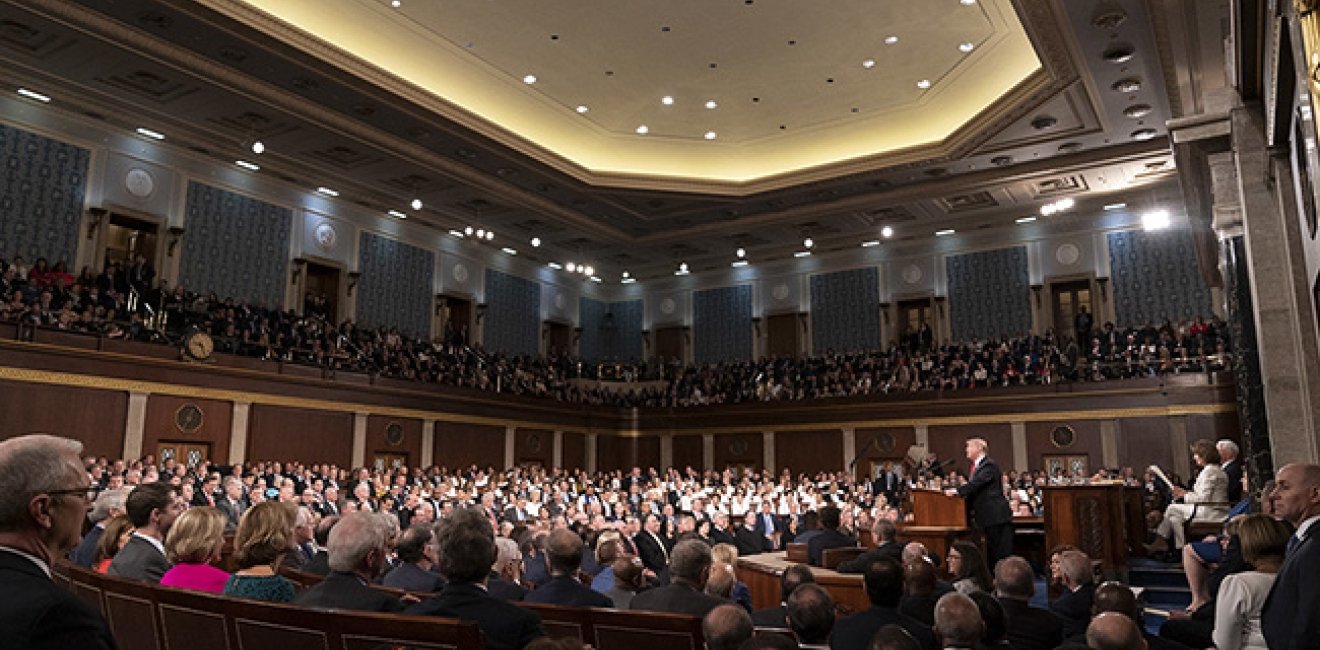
(984, 493)
(1114, 631)
(1290, 620)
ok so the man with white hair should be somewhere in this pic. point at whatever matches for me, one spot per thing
(357, 556)
(506, 571)
(109, 504)
(43, 499)
(1232, 466)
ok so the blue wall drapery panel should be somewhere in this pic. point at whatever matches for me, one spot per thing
(236, 246)
(513, 314)
(395, 289)
(722, 324)
(1156, 278)
(41, 197)
(989, 294)
(610, 330)
(845, 310)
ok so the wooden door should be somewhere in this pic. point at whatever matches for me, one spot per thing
(912, 314)
(558, 338)
(188, 453)
(323, 283)
(1069, 300)
(389, 460)
(458, 322)
(783, 336)
(669, 343)
(128, 236)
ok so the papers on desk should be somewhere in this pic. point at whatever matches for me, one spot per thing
(1159, 473)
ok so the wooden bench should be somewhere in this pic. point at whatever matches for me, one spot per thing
(617, 628)
(149, 617)
(797, 553)
(831, 558)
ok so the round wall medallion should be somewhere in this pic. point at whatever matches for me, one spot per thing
(667, 306)
(139, 182)
(885, 441)
(326, 236)
(460, 273)
(188, 418)
(394, 434)
(912, 274)
(560, 300)
(780, 291)
(1067, 254)
(738, 447)
(533, 442)
(1063, 436)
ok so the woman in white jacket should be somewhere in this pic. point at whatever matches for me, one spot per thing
(1242, 595)
(1208, 500)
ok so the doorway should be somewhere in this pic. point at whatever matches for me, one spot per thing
(1069, 299)
(322, 292)
(669, 343)
(128, 236)
(187, 453)
(558, 338)
(458, 320)
(389, 460)
(912, 314)
(783, 336)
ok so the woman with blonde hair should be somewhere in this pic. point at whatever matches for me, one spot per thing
(1242, 595)
(265, 535)
(117, 532)
(727, 555)
(194, 543)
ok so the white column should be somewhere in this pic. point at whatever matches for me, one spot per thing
(428, 443)
(708, 451)
(135, 426)
(238, 432)
(557, 453)
(510, 434)
(591, 453)
(768, 459)
(1109, 443)
(1182, 462)
(359, 439)
(1021, 462)
(849, 447)
(923, 436)
(666, 451)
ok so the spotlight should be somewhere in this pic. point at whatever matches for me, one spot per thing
(887, 232)
(536, 242)
(490, 235)
(1155, 220)
(808, 243)
(570, 267)
(417, 204)
(589, 271)
(258, 147)
(481, 233)
(468, 231)
(741, 253)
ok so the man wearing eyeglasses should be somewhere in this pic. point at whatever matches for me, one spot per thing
(43, 500)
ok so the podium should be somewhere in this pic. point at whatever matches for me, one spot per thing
(1104, 521)
(938, 520)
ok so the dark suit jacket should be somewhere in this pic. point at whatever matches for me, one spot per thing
(650, 552)
(1031, 628)
(771, 617)
(676, 598)
(85, 554)
(319, 565)
(1291, 620)
(748, 541)
(36, 613)
(858, 564)
(410, 577)
(139, 560)
(1074, 608)
(856, 631)
(232, 513)
(562, 590)
(505, 625)
(828, 538)
(1233, 469)
(718, 536)
(346, 591)
(984, 493)
(503, 589)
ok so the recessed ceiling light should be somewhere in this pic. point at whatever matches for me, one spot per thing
(710, 135)
(247, 165)
(416, 204)
(683, 267)
(555, 265)
(490, 235)
(802, 254)
(396, 3)
(1155, 220)
(588, 270)
(570, 267)
(808, 243)
(1024, 220)
(643, 130)
(529, 79)
(32, 94)
(968, 2)
(582, 108)
(667, 100)
(468, 231)
(891, 40)
(258, 147)
(596, 279)
(397, 214)
(945, 232)
(510, 251)
(967, 47)
(327, 191)
(1115, 206)
(154, 135)
(871, 244)
(710, 103)
(456, 234)
(740, 253)
(481, 233)
(739, 264)
(887, 232)
(627, 280)
(626, 274)
(868, 64)
(1144, 134)
(536, 242)
(1066, 203)
(923, 84)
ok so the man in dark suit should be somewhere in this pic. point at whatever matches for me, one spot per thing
(1290, 620)
(320, 562)
(688, 569)
(152, 508)
(232, 504)
(41, 520)
(109, 504)
(719, 530)
(651, 547)
(1074, 606)
(535, 571)
(887, 483)
(505, 574)
(1028, 628)
(357, 556)
(416, 560)
(797, 574)
(564, 551)
(883, 580)
(770, 526)
(830, 537)
(467, 551)
(884, 532)
(984, 492)
(747, 538)
(1232, 466)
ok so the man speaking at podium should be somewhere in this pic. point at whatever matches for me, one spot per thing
(984, 492)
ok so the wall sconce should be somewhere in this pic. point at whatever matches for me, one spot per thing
(577, 335)
(353, 278)
(175, 234)
(939, 304)
(298, 264)
(481, 312)
(1035, 290)
(802, 318)
(687, 335)
(440, 303)
(884, 312)
(646, 339)
(1102, 283)
(97, 216)
(756, 324)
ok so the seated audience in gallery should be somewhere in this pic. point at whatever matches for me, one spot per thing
(415, 571)
(689, 568)
(358, 555)
(564, 551)
(194, 545)
(265, 535)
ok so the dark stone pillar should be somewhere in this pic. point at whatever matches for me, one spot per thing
(1246, 362)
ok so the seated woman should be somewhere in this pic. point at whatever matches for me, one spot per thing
(1242, 596)
(967, 567)
(1208, 500)
(117, 532)
(265, 535)
(739, 592)
(194, 543)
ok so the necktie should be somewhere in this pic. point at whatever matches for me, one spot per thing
(1293, 543)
